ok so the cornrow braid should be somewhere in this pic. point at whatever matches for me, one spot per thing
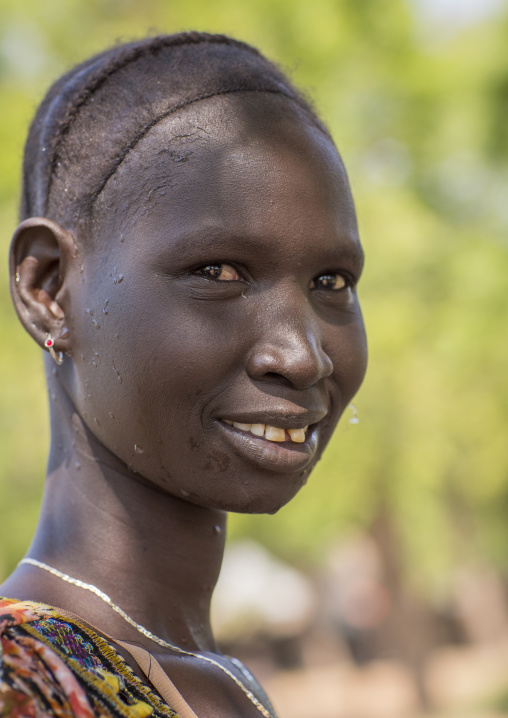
(93, 116)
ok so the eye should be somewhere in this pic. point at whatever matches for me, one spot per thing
(219, 272)
(332, 280)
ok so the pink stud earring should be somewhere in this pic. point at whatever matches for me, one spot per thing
(49, 343)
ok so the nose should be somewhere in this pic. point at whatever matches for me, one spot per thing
(289, 346)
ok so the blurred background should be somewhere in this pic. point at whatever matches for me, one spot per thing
(381, 591)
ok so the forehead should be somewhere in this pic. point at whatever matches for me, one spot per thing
(235, 163)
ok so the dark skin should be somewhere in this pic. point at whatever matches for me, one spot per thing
(215, 288)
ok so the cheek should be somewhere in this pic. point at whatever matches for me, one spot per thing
(147, 367)
(347, 347)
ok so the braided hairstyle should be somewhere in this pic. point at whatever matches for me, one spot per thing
(93, 116)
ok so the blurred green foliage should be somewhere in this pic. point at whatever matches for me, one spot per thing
(420, 116)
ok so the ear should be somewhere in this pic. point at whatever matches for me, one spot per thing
(40, 255)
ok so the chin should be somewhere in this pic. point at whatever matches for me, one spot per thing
(267, 499)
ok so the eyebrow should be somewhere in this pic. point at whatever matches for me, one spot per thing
(215, 238)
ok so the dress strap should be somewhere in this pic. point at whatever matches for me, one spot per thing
(158, 677)
(149, 665)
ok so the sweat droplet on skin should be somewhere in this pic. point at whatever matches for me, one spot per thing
(116, 276)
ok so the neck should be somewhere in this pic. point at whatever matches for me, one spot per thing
(156, 556)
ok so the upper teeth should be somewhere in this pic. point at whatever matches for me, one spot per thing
(272, 433)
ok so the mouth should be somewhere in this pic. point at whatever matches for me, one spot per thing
(282, 449)
(271, 433)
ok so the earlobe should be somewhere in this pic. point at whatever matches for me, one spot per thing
(40, 254)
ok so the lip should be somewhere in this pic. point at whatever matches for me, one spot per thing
(282, 420)
(284, 457)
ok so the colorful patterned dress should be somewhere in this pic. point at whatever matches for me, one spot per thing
(52, 666)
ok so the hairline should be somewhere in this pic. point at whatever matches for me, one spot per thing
(167, 113)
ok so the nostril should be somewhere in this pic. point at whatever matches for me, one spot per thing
(296, 359)
(275, 377)
(272, 375)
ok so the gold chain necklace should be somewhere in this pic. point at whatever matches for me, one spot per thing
(160, 641)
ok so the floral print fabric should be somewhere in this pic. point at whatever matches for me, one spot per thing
(53, 667)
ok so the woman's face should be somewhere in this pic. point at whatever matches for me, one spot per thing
(218, 303)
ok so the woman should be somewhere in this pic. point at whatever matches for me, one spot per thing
(188, 256)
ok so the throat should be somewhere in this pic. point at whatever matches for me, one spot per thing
(156, 557)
